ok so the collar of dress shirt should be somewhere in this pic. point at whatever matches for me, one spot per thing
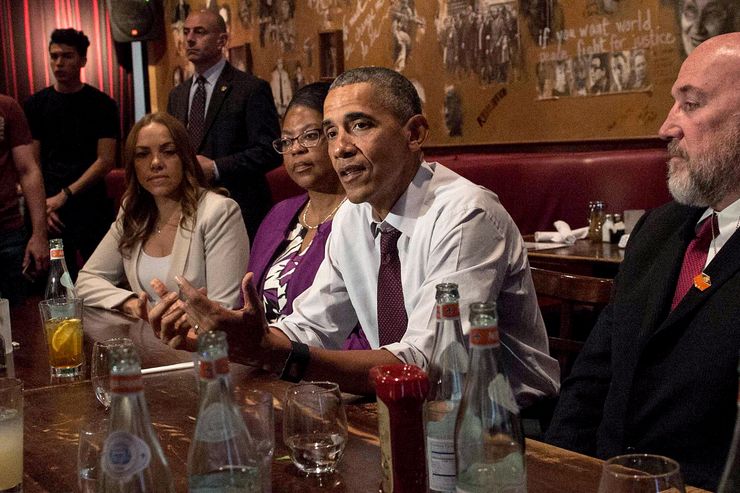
(408, 207)
(212, 74)
(727, 219)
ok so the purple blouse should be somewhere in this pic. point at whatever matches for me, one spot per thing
(270, 242)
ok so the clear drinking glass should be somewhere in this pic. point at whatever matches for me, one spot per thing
(641, 473)
(11, 435)
(62, 320)
(92, 437)
(259, 417)
(100, 367)
(315, 426)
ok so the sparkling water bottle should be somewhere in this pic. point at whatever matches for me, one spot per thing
(59, 284)
(488, 432)
(132, 460)
(447, 368)
(220, 456)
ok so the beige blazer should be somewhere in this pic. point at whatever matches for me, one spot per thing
(213, 255)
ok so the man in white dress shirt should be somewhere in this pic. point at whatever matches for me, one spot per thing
(451, 230)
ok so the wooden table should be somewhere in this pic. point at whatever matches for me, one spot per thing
(583, 257)
(54, 412)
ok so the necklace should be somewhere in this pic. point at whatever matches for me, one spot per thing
(308, 206)
(158, 227)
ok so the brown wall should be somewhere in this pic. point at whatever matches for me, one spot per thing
(502, 90)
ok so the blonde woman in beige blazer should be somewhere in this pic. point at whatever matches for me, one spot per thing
(167, 217)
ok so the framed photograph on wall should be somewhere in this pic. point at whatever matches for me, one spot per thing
(331, 54)
(241, 57)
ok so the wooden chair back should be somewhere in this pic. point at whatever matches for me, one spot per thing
(571, 292)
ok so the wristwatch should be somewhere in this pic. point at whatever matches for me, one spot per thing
(67, 192)
(297, 362)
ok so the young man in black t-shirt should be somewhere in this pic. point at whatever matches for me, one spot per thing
(74, 128)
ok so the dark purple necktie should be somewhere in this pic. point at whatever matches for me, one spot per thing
(392, 318)
(694, 258)
(197, 115)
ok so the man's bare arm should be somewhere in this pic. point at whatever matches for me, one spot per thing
(32, 184)
(98, 169)
(96, 172)
(251, 340)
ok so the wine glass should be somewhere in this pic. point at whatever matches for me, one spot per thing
(315, 426)
(641, 473)
(100, 368)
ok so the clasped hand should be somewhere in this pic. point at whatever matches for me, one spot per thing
(177, 321)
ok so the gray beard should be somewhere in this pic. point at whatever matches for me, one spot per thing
(709, 178)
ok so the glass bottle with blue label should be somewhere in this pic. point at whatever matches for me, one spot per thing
(132, 460)
(59, 284)
(220, 456)
(488, 432)
(447, 368)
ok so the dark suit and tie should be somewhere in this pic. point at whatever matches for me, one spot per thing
(239, 126)
(648, 373)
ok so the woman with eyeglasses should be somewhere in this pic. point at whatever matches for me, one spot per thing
(289, 245)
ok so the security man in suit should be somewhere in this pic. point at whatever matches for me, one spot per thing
(658, 373)
(230, 116)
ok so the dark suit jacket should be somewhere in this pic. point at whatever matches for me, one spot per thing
(652, 380)
(241, 123)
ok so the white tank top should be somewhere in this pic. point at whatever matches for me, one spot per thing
(153, 268)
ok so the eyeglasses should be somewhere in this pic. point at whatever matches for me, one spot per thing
(309, 138)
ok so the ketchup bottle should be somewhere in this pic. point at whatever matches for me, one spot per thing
(401, 390)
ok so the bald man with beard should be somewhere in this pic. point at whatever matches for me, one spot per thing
(659, 372)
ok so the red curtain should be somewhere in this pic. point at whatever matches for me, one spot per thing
(25, 28)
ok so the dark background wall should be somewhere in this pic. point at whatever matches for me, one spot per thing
(25, 27)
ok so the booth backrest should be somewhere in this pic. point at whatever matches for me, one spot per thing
(536, 188)
(540, 188)
(115, 184)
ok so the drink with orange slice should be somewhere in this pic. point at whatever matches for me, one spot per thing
(62, 319)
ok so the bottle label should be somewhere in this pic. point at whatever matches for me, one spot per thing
(209, 370)
(484, 337)
(214, 425)
(124, 455)
(448, 310)
(56, 253)
(386, 456)
(126, 384)
(441, 464)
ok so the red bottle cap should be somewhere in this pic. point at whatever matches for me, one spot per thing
(394, 382)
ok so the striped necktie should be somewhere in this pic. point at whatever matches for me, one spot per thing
(197, 115)
(695, 258)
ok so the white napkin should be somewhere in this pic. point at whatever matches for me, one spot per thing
(563, 234)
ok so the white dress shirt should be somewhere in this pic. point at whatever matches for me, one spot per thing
(728, 220)
(211, 75)
(451, 231)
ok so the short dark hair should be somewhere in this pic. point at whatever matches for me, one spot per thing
(396, 92)
(71, 37)
(311, 96)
